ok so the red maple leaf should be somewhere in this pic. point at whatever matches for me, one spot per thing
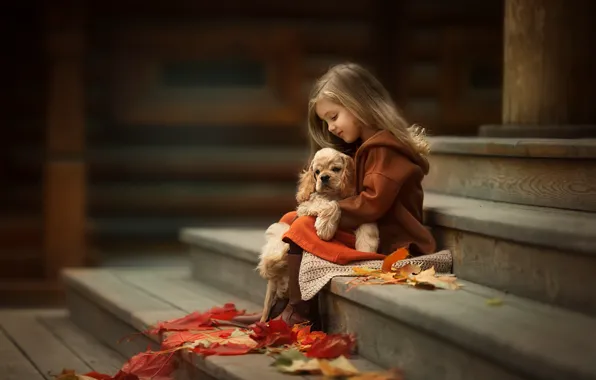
(197, 320)
(331, 346)
(228, 349)
(148, 365)
(275, 333)
(304, 336)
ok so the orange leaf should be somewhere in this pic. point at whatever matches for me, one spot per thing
(332, 346)
(396, 256)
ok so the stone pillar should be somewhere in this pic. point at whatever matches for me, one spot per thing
(64, 166)
(549, 70)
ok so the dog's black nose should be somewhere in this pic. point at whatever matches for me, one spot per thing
(324, 178)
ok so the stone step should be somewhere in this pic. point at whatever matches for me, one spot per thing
(544, 254)
(115, 303)
(536, 252)
(430, 334)
(37, 344)
(558, 173)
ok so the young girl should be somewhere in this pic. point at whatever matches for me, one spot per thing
(351, 111)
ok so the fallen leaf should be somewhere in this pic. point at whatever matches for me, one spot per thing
(288, 356)
(358, 271)
(337, 367)
(271, 334)
(304, 337)
(428, 278)
(332, 346)
(396, 256)
(494, 302)
(197, 320)
(150, 365)
(409, 269)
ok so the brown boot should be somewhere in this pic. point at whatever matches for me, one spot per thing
(297, 311)
(276, 309)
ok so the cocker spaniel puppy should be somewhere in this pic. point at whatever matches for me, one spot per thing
(329, 178)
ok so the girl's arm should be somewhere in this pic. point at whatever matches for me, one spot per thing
(386, 172)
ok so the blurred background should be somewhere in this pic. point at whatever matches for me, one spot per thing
(126, 121)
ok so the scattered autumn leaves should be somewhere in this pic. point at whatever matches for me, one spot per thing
(297, 349)
(410, 274)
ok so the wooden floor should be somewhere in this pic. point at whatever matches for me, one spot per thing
(37, 344)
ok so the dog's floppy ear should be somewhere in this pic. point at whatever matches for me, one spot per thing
(348, 175)
(306, 185)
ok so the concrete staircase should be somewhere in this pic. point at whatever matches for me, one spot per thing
(534, 254)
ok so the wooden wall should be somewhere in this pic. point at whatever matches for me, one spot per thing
(168, 114)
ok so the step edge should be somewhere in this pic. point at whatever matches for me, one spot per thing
(459, 333)
(506, 220)
(571, 149)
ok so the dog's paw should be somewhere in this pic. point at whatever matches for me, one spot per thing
(325, 229)
(306, 209)
(367, 238)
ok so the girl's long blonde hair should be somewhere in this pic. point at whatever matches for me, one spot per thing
(355, 88)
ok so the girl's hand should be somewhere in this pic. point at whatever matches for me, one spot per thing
(327, 220)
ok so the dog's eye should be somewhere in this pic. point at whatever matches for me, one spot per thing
(336, 169)
(317, 172)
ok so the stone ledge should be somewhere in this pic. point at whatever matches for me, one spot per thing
(515, 147)
(539, 226)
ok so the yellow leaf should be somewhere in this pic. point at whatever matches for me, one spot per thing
(494, 302)
(337, 367)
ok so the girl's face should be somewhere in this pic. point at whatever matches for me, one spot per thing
(340, 121)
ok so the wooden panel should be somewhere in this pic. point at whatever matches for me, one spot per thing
(49, 354)
(191, 200)
(21, 264)
(28, 293)
(66, 101)
(65, 214)
(64, 169)
(97, 356)
(139, 95)
(15, 365)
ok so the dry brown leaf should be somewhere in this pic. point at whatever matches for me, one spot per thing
(337, 367)
(409, 269)
(428, 278)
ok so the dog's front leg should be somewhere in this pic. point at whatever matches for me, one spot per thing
(367, 237)
(328, 220)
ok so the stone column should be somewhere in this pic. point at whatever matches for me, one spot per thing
(549, 78)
